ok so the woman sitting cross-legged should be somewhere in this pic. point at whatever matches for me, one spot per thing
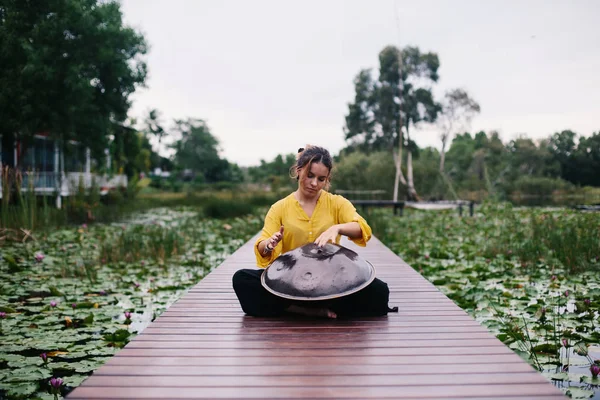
(309, 214)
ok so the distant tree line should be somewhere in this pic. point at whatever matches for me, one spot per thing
(70, 66)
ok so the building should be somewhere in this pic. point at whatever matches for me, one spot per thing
(52, 169)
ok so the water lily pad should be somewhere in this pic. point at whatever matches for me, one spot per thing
(559, 376)
(578, 393)
(45, 396)
(74, 380)
(28, 374)
(26, 361)
(86, 366)
(546, 348)
(20, 390)
(12, 357)
(591, 381)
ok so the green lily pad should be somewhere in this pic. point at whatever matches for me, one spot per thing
(20, 390)
(45, 396)
(74, 380)
(591, 381)
(577, 393)
(560, 376)
(26, 361)
(8, 310)
(28, 374)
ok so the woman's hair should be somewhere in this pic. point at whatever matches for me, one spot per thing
(307, 156)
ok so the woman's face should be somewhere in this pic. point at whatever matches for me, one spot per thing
(314, 180)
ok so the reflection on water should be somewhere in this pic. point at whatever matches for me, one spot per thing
(576, 368)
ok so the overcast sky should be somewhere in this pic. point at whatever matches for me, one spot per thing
(271, 76)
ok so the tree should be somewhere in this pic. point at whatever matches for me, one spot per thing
(130, 151)
(387, 112)
(587, 160)
(198, 150)
(360, 122)
(419, 71)
(460, 156)
(68, 68)
(457, 111)
(154, 125)
(401, 98)
(275, 172)
(562, 146)
(526, 158)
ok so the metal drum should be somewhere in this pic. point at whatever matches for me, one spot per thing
(311, 272)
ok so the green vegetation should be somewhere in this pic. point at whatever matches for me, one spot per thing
(71, 298)
(68, 69)
(530, 276)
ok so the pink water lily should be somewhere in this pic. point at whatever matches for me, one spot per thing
(44, 357)
(127, 314)
(565, 342)
(595, 369)
(2, 314)
(52, 303)
(39, 257)
(56, 382)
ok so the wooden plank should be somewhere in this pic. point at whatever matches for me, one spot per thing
(281, 352)
(315, 337)
(285, 344)
(263, 366)
(328, 392)
(203, 347)
(302, 330)
(413, 321)
(300, 380)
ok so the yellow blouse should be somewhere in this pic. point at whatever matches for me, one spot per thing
(299, 230)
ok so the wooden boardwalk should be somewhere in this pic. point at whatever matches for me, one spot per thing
(203, 347)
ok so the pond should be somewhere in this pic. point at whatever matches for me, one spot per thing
(531, 276)
(71, 298)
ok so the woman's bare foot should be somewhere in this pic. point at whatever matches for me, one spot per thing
(312, 312)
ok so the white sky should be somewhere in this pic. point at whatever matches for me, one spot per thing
(271, 76)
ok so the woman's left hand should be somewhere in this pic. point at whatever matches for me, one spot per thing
(330, 235)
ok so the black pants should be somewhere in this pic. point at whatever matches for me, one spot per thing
(372, 301)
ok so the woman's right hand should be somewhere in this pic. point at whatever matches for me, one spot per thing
(274, 240)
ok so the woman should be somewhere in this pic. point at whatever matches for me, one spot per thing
(310, 214)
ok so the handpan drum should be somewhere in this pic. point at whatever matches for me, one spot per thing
(311, 272)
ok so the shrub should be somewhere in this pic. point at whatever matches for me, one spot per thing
(224, 208)
(541, 186)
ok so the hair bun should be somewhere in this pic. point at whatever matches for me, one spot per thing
(301, 149)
